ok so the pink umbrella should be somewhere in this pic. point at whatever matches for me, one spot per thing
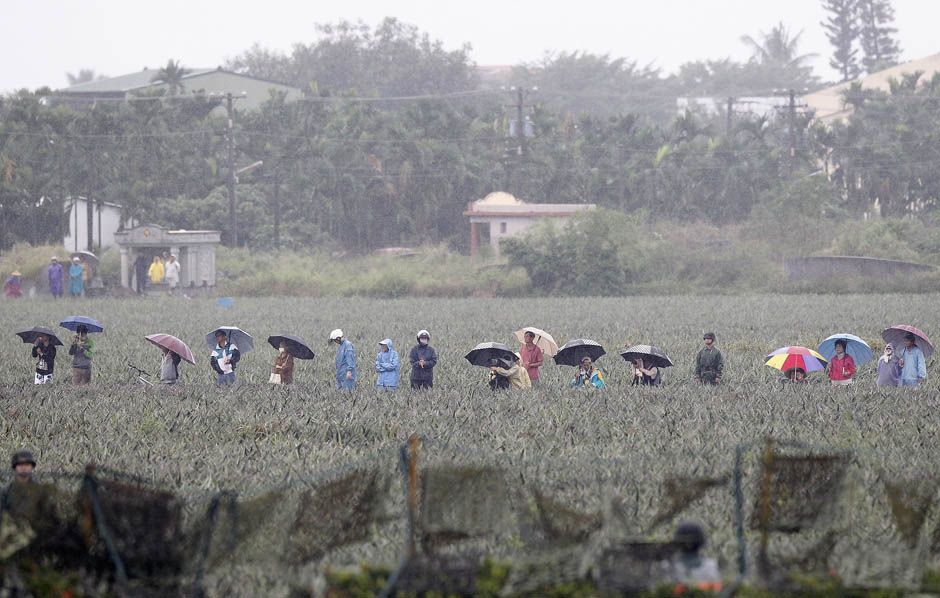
(171, 343)
(896, 334)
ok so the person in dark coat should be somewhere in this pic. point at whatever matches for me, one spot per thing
(140, 273)
(44, 353)
(709, 363)
(423, 358)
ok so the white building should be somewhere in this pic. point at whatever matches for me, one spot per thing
(104, 224)
(500, 215)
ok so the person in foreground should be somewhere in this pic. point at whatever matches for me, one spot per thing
(345, 361)
(889, 372)
(224, 359)
(911, 360)
(387, 365)
(588, 376)
(688, 569)
(842, 367)
(81, 351)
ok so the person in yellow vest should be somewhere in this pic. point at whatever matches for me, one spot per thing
(156, 270)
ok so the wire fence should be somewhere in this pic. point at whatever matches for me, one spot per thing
(432, 513)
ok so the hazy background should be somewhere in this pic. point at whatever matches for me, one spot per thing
(41, 40)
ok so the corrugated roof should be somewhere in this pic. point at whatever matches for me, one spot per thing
(829, 105)
(129, 82)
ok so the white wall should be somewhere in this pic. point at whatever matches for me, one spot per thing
(76, 238)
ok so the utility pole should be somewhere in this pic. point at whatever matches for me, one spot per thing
(520, 122)
(230, 146)
(522, 146)
(791, 108)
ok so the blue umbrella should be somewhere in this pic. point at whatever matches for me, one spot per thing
(73, 322)
(236, 336)
(854, 346)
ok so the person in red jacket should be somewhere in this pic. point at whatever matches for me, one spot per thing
(842, 366)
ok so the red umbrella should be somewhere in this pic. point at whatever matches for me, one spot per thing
(171, 343)
(896, 334)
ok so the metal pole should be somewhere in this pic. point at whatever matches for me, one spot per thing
(728, 116)
(277, 212)
(230, 143)
(792, 135)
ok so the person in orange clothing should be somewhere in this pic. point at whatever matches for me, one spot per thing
(842, 367)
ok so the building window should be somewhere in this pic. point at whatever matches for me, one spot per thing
(502, 228)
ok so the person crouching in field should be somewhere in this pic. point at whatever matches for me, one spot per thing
(283, 370)
(514, 373)
(795, 376)
(387, 365)
(842, 367)
(709, 363)
(423, 358)
(44, 353)
(889, 372)
(224, 359)
(588, 376)
(81, 351)
(646, 376)
(345, 361)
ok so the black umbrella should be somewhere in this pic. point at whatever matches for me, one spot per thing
(484, 353)
(29, 336)
(296, 346)
(572, 352)
(651, 356)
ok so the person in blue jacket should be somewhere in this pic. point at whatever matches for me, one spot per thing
(911, 361)
(345, 361)
(387, 365)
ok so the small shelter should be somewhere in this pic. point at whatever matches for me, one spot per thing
(195, 250)
(500, 215)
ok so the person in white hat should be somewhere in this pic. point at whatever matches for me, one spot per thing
(345, 361)
(423, 358)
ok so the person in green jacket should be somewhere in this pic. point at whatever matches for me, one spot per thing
(709, 363)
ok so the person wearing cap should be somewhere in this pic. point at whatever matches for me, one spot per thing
(76, 278)
(588, 376)
(172, 273)
(387, 365)
(23, 465)
(514, 372)
(423, 358)
(82, 349)
(13, 287)
(912, 363)
(709, 363)
(55, 273)
(688, 569)
(345, 361)
(44, 354)
(224, 359)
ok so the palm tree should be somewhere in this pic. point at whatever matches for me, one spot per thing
(172, 74)
(777, 47)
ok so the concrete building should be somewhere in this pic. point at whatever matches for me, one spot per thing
(195, 250)
(196, 81)
(500, 215)
(105, 223)
(829, 106)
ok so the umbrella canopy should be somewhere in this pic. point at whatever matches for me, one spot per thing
(29, 336)
(789, 358)
(854, 346)
(171, 343)
(73, 322)
(652, 356)
(543, 340)
(572, 352)
(296, 346)
(483, 353)
(895, 335)
(236, 336)
(86, 256)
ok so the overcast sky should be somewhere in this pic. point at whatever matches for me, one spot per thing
(41, 40)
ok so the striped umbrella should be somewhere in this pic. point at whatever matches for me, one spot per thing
(794, 357)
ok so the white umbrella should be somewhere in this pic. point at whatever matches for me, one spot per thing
(543, 340)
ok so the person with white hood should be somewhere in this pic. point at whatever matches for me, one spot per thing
(387, 365)
(345, 361)
(172, 273)
(423, 358)
(889, 372)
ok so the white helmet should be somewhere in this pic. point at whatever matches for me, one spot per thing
(338, 333)
(423, 333)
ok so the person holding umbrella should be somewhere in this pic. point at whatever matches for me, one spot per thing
(646, 374)
(912, 362)
(841, 367)
(387, 365)
(588, 376)
(173, 351)
(283, 370)
(513, 372)
(532, 357)
(76, 278)
(82, 349)
(423, 358)
(709, 363)
(44, 352)
(55, 273)
(345, 361)
(224, 359)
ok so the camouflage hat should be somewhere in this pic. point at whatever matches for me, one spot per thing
(709, 335)
(20, 457)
